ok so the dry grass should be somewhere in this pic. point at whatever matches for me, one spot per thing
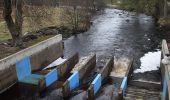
(29, 26)
(39, 39)
(34, 23)
(4, 33)
(164, 21)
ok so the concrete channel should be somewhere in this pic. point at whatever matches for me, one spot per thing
(42, 67)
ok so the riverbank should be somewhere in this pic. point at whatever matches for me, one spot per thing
(57, 21)
(32, 38)
(162, 23)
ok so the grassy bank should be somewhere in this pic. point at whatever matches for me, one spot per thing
(164, 23)
(42, 23)
(150, 8)
(39, 18)
(30, 25)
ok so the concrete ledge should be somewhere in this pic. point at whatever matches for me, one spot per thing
(40, 55)
(146, 84)
(105, 72)
(99, 79)
(12, 59)
(65, 68)
(84, 66)
(8, 78)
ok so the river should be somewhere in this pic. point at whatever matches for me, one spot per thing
(114, 33)
(121, 34)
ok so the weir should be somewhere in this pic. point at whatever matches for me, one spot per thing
(30, 66)
(146, 90)
(82, 68)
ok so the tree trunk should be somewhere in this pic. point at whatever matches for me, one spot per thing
(165, 8)
(19, 20)
(15, 28)
(75, 19)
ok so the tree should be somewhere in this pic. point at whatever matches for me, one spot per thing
(165, 8)
(78, 13)
(15, 27)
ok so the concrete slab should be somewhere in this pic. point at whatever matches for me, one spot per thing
(40, 55)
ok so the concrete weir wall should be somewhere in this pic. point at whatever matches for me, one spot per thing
(40, 55)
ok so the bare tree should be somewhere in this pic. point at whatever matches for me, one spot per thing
(165, 8)
(15, 27)
(78, 13)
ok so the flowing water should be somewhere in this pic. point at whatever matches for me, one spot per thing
(121, 34)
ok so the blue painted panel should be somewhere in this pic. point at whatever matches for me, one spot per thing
(23, 68)
(124, 85)
(74, 80)
(51, 77)
(164, 87)
(97, 83)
